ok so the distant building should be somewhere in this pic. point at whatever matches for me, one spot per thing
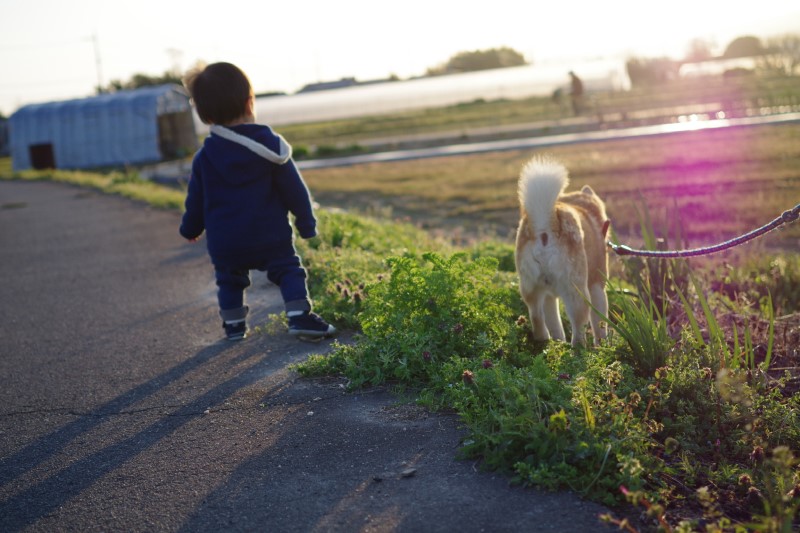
(328, 85)
(342, 84)
(144, 125)
(270, 94)
(717, 67)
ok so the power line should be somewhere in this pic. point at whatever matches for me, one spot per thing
(34, 83)
(40, 45)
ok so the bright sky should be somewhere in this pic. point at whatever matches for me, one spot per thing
(47, 51)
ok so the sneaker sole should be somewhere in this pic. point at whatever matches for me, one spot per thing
(311, 333)
(309, 339)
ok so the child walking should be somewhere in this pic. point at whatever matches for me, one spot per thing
(243, 186)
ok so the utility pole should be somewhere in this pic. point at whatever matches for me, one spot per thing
(98, 63)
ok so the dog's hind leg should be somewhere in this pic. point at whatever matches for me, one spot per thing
(578, 313)
(535, 302)
(552, 318)
(600, 303)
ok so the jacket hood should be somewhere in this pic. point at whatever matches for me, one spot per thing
(239, 152)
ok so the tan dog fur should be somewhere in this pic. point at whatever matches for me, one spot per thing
(561, 252)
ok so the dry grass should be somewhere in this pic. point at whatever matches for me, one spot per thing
(724, 182)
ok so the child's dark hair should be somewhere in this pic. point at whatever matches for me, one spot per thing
(220, 92)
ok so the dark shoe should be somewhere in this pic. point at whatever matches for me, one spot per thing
(235, 331)
(309, 325)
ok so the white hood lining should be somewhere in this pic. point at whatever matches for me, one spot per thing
(254, 146)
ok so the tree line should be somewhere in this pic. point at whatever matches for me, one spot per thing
(461, 62)
(779, 54)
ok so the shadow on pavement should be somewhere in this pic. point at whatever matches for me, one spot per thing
(47, 495)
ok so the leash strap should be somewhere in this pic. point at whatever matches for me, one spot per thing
(785, 218)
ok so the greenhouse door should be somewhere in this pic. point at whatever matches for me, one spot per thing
(42, 156)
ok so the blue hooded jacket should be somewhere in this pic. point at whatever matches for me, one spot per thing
(244, 184)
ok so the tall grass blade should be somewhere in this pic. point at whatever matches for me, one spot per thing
(750, 360)
(771, 334)
(695, 325)
(735, 359)
(716, 336)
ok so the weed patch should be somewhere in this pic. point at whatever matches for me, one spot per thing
(671, 407)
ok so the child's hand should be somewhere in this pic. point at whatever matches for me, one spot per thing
(314, 242)
(193, 240)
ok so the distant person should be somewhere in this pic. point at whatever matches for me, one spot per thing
(576, 93)
(244, 184)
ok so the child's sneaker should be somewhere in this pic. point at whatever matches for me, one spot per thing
(309, 325)
(236, 330)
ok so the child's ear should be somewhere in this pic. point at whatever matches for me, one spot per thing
(251, 105)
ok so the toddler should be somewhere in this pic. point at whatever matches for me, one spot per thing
(243, 186)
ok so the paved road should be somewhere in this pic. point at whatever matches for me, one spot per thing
(539, 141)
(450, 143)
(121, 410)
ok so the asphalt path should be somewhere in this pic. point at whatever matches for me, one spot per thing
(541, 141)
(121, 409)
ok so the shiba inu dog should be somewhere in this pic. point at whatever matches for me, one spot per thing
(561, 252)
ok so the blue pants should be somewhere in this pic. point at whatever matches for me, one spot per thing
(283, 268)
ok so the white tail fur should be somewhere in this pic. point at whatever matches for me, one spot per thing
(541, 181)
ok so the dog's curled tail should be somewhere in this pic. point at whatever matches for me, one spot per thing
(541, 181)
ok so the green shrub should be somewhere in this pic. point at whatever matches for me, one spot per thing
(348, 256)
(427, 310)
(326, 150)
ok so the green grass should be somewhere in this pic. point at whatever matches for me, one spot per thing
(126, 184)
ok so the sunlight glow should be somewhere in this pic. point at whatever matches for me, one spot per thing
(54, 50)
